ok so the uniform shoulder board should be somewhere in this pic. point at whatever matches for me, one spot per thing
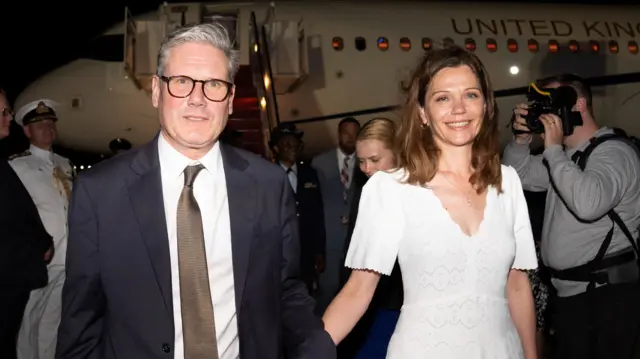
(18, 155)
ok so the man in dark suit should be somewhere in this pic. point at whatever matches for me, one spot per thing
(286, 144)
(184, 247)
(25, 246)
(336, 170)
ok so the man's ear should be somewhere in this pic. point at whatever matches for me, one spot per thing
(155, 91)
(27, 131)
(581, 105)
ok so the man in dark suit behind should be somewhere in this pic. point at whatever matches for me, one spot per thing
(25, 246)
(286, 144)
(186, 248)
(336, 170)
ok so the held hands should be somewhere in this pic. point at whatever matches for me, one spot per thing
(553, 132)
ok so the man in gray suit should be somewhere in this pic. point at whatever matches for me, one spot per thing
(336, 170)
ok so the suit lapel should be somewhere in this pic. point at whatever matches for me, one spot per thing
(241, 194)
(148, 204)
(334, 165)
(301, 180)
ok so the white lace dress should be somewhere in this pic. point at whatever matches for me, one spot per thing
(455, 303)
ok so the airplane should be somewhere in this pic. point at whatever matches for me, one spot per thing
(314, 63)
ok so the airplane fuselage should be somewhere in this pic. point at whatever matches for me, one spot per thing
(358, 55)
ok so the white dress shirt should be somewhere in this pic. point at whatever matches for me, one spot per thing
(210, 191)
(351, 162)
(293, 176)
(35, 169)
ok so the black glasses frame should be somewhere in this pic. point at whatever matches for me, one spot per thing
(167, 79)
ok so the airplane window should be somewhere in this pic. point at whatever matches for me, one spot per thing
(553, 46)
(447, 41)
(532, 45)
(470, 44)
(512, 45)
(337, 43)
(405, 44)
(594, 45)
(633, 47)
(361, 43)
(426, 44)
(383, 43)
(613, 46)
(492, 45)
(574, 46)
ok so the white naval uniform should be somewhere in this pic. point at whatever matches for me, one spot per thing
(36, 169)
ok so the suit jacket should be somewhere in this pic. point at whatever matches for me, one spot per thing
(311, 218)
(117, 300)
(24, 240)
(326, 165)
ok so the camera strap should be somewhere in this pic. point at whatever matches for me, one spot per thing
(596, 270)
(580, 158)
(586, 272)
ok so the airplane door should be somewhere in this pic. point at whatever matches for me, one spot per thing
(130, 32)
(228, 19)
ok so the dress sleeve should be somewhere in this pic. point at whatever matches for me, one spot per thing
(525, 258)
(379, 227)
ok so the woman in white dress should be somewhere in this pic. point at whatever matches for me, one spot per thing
(455, 219)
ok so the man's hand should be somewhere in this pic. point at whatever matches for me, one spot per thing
(320, 263)
(553, 132)
(48, 255)
(520, 124)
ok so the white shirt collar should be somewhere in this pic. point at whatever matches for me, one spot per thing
(39, 152)
(294, 168)
(173, 163)
(342, 156)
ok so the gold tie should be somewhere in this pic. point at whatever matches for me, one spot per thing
(198, 325)
(63, 179)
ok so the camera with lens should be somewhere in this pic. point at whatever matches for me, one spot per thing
(558, 101)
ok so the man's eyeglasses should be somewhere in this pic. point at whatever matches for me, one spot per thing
(6, 112)
(182, 86)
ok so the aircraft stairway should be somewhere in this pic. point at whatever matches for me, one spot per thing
(247, 117)
(255, 108)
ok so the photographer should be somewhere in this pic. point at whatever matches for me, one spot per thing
(597, 312)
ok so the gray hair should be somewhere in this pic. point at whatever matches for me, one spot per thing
(213, 33)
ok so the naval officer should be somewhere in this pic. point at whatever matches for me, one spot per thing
(48, 178)
(24, 243)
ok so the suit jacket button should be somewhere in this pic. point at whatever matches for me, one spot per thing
(166, 348)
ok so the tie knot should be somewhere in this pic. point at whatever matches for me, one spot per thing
(190, 174)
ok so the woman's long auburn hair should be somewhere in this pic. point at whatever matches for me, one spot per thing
(416, 150)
